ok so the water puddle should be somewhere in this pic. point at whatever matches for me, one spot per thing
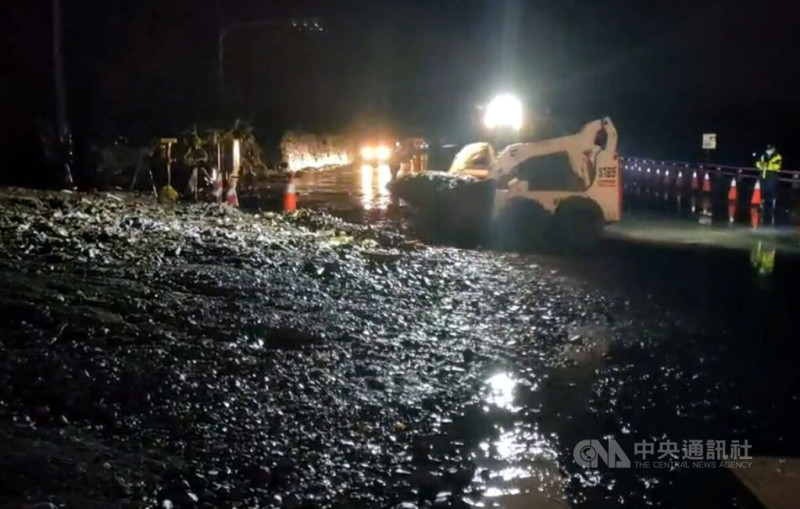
(517, 466)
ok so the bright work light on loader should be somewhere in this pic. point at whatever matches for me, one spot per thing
(504, 111)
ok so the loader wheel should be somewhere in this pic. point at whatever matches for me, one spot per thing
(521, 226)
(577, 224)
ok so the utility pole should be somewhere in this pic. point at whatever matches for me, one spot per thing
(64, 135)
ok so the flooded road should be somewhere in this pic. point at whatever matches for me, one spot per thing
(364, 188)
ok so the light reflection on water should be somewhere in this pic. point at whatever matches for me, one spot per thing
(501, 391)
(519, 465)
(374, 189)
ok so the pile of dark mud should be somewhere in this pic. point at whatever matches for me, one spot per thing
(427, 190)
(197, 356)
(459, 210)
(451, 208)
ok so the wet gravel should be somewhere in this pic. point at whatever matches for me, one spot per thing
(452, 209)
(197, 356)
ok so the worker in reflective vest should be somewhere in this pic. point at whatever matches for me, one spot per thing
(770, 165)
(762, 258)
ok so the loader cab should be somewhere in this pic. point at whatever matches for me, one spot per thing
(566, 164)
(546, 172)
(574, 180)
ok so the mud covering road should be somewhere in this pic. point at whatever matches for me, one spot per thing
(457, 209)
(196, 356)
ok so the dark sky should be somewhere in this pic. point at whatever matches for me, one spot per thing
(665, 71)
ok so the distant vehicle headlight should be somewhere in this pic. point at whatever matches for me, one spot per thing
(383, 153)
(367, 153)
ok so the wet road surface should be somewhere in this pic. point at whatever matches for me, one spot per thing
(356, 194)
(218, 359)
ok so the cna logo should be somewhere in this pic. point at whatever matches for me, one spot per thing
(592, 453)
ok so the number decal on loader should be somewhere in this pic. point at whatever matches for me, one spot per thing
(608, 172)
(607, 176)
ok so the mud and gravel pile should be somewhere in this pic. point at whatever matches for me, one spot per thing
(197, 356)
(459, 210)
(425, 190)
(455, 208)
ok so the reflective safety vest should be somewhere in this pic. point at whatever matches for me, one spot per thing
(763, 258)
(767, 163)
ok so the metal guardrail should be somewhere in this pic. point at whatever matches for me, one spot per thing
(636, 163)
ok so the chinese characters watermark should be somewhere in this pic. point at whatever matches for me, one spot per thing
(693, 453)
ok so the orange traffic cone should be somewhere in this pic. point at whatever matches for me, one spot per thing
(756, 199)
(731, 211)
(231, 198)
(733, 194)
(706, 184)
(290, 197)
(695, 184)
(755, 216)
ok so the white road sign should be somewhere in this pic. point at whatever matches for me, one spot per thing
(709, 141)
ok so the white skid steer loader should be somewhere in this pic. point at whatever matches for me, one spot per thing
(567, 187)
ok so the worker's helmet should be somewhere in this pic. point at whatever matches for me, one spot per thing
(770, 146)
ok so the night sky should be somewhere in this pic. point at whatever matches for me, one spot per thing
(664, 71)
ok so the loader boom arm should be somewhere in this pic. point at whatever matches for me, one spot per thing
(594, 137)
